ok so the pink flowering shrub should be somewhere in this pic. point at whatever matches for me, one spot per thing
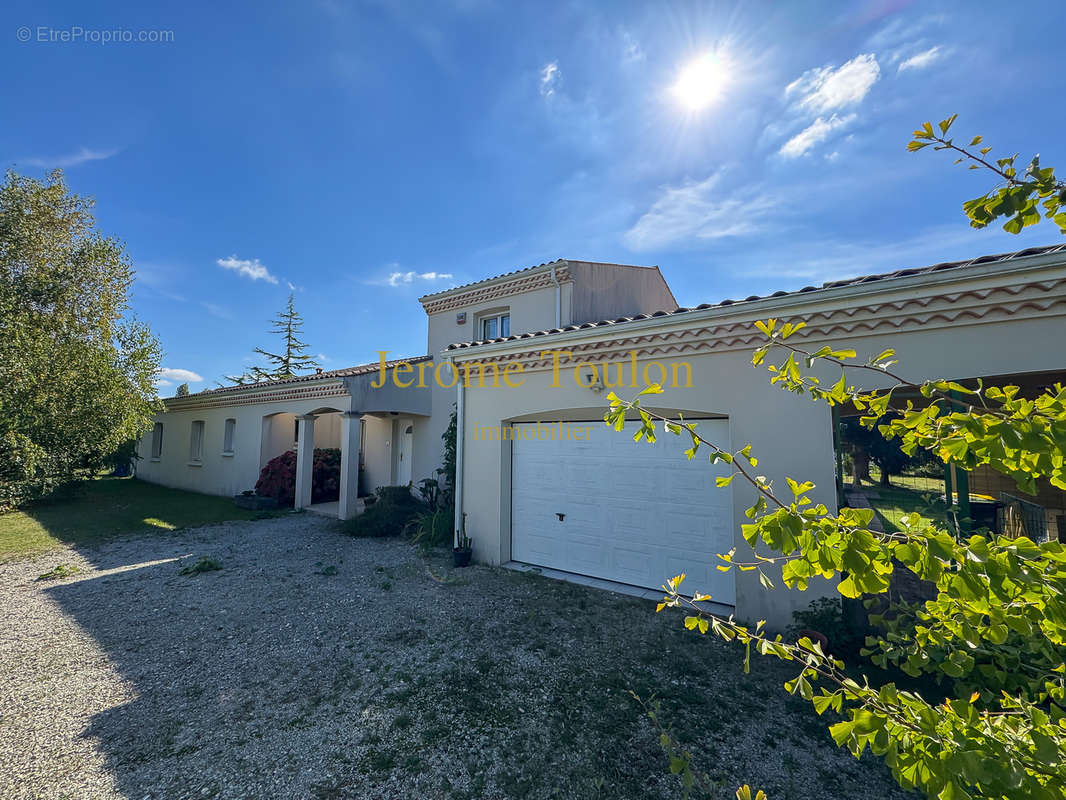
(278, 478)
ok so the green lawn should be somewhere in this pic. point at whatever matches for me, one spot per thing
(102, 508)
(892, 504)
(907, 494)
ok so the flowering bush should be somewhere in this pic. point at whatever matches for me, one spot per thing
(278, 478)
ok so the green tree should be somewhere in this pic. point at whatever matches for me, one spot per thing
(293, 358)
(77, 371)
(995, 634)
(182, 390)
(867, 445)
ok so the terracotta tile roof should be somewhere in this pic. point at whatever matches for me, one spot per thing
(901, 273)
(346, 372)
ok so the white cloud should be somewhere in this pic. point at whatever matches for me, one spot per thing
(549, 78)
(215, 310)
(922, 60)
(827, 89)
(699, 211)
(168, 375)
(249, 269)
(815, 133)
(409, 277)
(631, 49)
(903, 35)
(82, 156)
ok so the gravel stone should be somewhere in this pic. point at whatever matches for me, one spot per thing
(321, 666)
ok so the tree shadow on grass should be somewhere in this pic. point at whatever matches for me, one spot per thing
(96, 511)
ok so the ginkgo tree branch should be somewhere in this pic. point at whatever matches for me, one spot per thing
(819, 665)
(1018, 197)
(975, 609)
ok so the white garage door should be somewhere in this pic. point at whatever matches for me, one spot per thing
(635, 513)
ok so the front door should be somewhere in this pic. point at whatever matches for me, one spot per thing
(403, 464)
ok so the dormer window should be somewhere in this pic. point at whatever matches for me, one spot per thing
(496, 325)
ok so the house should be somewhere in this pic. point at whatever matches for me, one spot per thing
(527, 358)
(386, 417)
(543, 483)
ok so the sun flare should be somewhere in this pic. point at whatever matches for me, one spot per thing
(701, 82)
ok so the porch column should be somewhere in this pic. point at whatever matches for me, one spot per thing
(350, 444)
(305, 460)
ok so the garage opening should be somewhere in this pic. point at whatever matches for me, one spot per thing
(604, 506)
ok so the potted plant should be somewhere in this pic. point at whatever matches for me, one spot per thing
(462, 551)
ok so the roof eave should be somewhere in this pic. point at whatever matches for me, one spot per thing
(510, 276)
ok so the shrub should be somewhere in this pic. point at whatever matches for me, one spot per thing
(395, 508)
(432, 528)
(400, 495)
(278, 477)
(826, 615)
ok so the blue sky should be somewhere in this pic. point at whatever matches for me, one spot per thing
(366, 153)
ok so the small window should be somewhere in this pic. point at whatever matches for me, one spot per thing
(227, 437)
(495, 326)
(196, 441)
(157, 440)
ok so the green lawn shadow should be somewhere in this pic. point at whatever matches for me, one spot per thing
(102, 508)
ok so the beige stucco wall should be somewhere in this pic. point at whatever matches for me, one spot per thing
(984, 320)
(530, 311)
(230, 475)
(377, 452)
(592, 291)
(609, 291)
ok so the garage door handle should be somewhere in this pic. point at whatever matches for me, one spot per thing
(560, 516)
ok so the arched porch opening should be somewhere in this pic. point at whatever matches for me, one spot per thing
(315, 440)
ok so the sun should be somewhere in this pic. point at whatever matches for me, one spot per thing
(701, 82)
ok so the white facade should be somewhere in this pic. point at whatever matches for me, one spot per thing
(631, 513)
(1003, 317)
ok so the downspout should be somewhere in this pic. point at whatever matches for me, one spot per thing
(458, 451)
(558, 300)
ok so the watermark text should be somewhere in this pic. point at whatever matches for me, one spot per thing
(76, 34)
(624, 373)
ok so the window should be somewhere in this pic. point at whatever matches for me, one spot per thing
(157, 441)
(196, 442)
(496, 325)
(227, 437)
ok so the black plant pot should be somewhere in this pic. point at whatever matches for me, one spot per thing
(461, 556)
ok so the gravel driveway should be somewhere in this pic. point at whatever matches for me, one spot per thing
(316, 665)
